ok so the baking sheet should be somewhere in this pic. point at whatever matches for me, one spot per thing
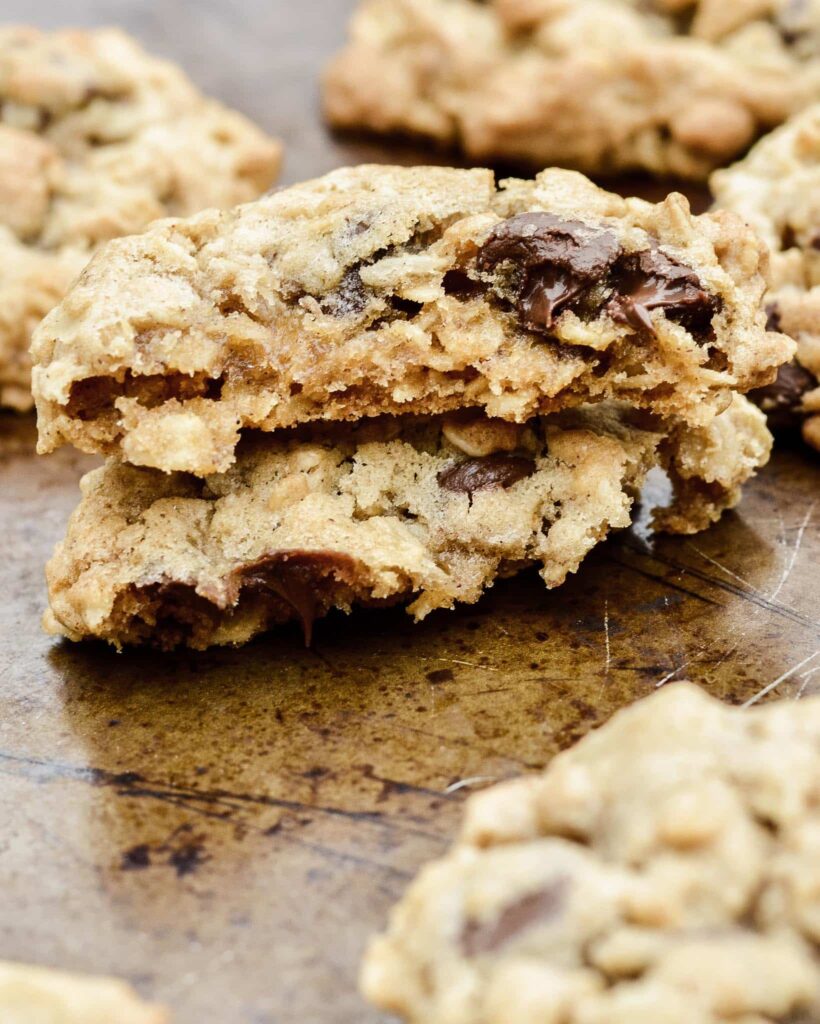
(226, 829)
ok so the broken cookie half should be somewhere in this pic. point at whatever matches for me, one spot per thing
(383, 290)
(663, 870)
(423, 511)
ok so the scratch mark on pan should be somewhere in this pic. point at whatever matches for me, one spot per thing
(805, 677)
(475, 780)
(606, 638)
(686, 664)
(773, 685)
(787, 571)
(725, 569)
(469, 664)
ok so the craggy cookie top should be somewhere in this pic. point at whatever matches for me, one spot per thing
(401, 290)
(777, 190)
(666, 869)
(37, 995)
(670, 86)
(97, 139)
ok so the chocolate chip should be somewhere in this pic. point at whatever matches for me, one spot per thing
(408, 307)
(815, 240)
(553, 261)
(298, 577)
(793, 21)
(458, 283)
(773, 317)
(537, 908)
(349, 298)
(652, 280)
(782, 399)
(486, 473)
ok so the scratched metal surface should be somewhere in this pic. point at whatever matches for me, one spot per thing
(227, 829)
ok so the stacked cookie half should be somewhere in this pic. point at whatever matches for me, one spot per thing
(391, 385)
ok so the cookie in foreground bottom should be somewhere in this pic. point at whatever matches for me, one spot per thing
(37, 995)
(666, 870)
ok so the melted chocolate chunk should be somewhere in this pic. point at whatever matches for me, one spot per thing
(651, 280)
(537, 908)
(349, 298)
(550, 265)
(298, 577)
(781, 400)
(554, 261)
(486, 473)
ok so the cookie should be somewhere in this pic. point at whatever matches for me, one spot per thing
(425, 511)
(384, 290)
(663, 870)
(37, 995)
(777, 190)
(668, 86)
(97, 139)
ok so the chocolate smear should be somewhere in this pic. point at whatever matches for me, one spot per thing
(297, 577)
(485, 473)
(652, 280)
(480, 937)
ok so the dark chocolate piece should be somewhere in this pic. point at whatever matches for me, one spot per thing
(773, 317)
(549, 265)
(349, 298)
(297, 577)
(781, 400)
(485, 473)
(651, 280)
(458, 283)
(536, 908)
(554, 260)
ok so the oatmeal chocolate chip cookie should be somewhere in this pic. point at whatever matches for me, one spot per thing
(429, 511)
(97, 139)
(401, 290)
(666, 869)
(670, 86)
(777, 190)
(37, 995)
